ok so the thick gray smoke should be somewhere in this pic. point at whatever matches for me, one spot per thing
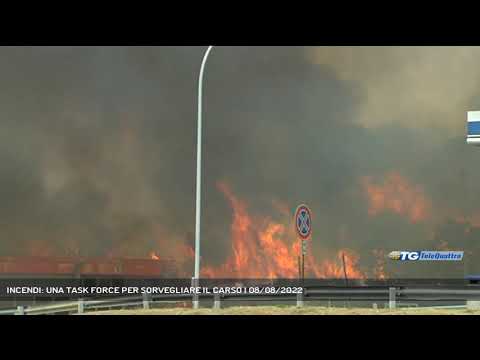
(98, 145)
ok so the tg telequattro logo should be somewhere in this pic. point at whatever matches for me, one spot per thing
(426, 255)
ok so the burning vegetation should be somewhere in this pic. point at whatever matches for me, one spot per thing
(396, 194)
(268, 247)
(264, 248)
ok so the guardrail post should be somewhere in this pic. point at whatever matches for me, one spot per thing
(146, 302)
(81, 306)
(473, 304)
(392, 303)
(217, 302)
(20, 310)
(300, 300)
(195, 297)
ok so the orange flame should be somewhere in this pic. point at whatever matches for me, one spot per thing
(398, 195)
(263, 248)
(182, 254)
(334, 269)
(154, 256)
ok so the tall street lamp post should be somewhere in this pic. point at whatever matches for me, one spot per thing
(198, 201)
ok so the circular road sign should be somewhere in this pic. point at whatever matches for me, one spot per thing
(303, 222)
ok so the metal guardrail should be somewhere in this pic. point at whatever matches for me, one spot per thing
(392, 295)
(81, 305)
(8, 312)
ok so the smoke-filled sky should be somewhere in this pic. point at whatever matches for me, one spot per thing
(98, 147)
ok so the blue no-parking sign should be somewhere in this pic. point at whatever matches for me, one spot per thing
(303, 222)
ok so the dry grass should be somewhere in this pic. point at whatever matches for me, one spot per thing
(290, 310)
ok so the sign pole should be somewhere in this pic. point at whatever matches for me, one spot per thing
(299, 267)
(303, 262)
